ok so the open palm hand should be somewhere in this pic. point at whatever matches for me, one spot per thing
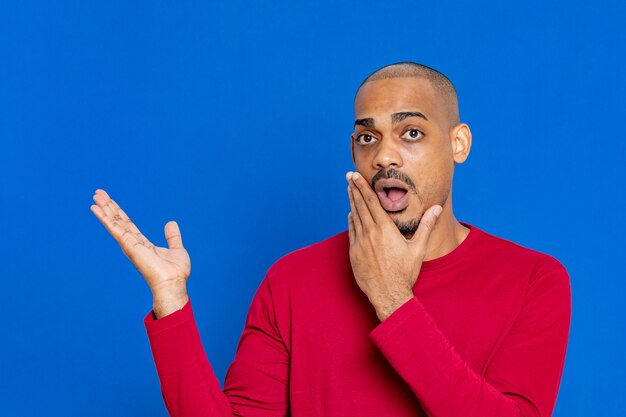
(161, 267)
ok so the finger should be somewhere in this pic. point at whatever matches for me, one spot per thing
(129, 223)
(108, 211)
(119, 215)
(356, 220)
(351, 228)
(426, 226)
(117, 222)
(102, 192)
(172, 235)
(122, 214)
(102, 200)
(376, 210)
(361, 206)
(112, 211)
(121, 234)
(100, 213)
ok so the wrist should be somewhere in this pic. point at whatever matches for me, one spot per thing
(168, 299)
(388, 305)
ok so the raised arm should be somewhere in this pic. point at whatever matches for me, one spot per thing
(256, 382)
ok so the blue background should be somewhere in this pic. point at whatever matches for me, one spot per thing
(233, 118)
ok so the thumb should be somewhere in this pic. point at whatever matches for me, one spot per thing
(426, 226)
(172, 234)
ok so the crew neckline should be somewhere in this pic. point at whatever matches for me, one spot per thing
(456, 253)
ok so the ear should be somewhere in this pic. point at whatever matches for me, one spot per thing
(352, 148)
(461, 140)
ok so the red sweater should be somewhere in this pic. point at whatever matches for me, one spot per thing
(485, 335)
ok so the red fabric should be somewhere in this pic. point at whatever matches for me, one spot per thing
(485, 335)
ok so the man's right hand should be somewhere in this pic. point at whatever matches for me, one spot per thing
(165, 269)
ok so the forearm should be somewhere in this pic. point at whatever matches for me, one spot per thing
(188, 383)
(440, 378)
(257, 382)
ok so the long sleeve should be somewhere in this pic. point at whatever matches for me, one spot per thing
(524, 374)
(256, 382)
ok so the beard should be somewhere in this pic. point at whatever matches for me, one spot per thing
(408, 228)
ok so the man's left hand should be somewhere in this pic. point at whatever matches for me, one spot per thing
(385, 264)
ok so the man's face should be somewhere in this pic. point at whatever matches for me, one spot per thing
(402, 146)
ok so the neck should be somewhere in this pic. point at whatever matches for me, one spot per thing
(447, 234)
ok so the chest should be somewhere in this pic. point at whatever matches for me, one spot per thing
(339, 368)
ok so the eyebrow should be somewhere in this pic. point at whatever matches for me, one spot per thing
(398, 117)
(367, 122)
(395, 118)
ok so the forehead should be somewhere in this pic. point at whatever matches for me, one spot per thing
(381, 98)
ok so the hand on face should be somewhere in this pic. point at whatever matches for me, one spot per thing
(385, 264)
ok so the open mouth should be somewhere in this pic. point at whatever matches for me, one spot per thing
(393, 194)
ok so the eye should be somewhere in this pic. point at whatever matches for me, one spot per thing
(365, 139)
(412, 134)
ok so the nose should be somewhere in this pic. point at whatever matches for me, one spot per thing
(387, 155)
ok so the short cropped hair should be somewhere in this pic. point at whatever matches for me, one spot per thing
(441, 84)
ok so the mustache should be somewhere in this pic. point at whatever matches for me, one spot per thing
(395, 174)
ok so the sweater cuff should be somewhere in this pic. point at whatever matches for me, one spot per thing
(178, 318)
(398, 324)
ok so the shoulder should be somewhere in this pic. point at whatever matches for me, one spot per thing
(541, 268)
(327, 253)
(305, 273)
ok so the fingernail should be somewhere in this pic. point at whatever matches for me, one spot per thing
(437, 211)
(348, 175)
(355, 176)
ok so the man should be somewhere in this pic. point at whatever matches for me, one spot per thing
(408, 313)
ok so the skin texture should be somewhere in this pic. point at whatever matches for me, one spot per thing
(385, 262)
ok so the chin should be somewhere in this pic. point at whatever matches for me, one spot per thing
(408, 229)
(403, 215)
(407, 224)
